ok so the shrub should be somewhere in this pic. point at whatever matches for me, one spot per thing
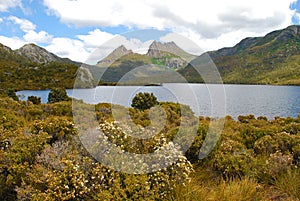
(34, 100)
(265, 145)
(11, 93)
(232, 159)
(279, 163)
(58, 128)
(246, 119)
(143, 101)
(57, 95)
(63, 173)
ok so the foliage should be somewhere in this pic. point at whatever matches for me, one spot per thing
(22, 75)
(57, 95)
(11, 93)
(272, 59)
(144, 101)
(34, 99)
(42, 158)
(232, 159)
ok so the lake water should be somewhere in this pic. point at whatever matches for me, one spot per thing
(204, 99)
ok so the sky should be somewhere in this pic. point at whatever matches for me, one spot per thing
(76, 28)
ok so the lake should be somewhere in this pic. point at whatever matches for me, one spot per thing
(204, 99)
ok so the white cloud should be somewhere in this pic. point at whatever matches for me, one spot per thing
(40, 37)
(6, 4)
(297, 16)
(95, 38)
(12, 42)
(187, 44)
(25, 25)
(210, 24)
(30, 36)
(66, 47)
(209, 20)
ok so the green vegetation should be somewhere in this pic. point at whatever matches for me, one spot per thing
(42, 158)
(22, 76)
(144, 101)
(34, 99)
(11, 93)
(57, 95)
(272, 59)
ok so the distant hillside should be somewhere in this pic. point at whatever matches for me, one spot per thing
(157, 65)
(272, 59)
(38, 54)
(33, 67)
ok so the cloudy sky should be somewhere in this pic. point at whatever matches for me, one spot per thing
(75, 28)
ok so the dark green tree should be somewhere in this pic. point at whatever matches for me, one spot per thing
(11, 93)
(143, 101)
(35, 100)
(57, 95)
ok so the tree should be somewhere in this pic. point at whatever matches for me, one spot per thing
(35, 100)
(11, 93)
(143, 101)
(57, 95)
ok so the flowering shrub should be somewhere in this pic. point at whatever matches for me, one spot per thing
(58, 128)
(232, 159)
(265, 145)
(42, 157)
(279, 163)
(61, 172)
(166, 179)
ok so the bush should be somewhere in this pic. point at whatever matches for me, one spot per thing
(11, 93)
(57, 128)
(265, 145)
(232, 159)
(143, 101)
(57, 95)
(34, 100)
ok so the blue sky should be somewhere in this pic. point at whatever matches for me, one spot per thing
(75, 28)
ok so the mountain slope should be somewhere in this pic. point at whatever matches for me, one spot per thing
(272, 59)
(32, 67)
(119, 52)
(168, 54)
(38, 54)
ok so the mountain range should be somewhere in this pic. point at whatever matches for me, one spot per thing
(271, 59)
(32, 53)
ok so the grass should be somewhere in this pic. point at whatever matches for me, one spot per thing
(289, 183)
(204, 187)
(244, 189)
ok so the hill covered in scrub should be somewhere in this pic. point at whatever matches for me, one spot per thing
(271, 59)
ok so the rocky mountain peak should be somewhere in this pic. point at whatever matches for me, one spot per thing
(7, 53)
(121, 51)
(36, 53)
(116, 54)
(159, 49)
(5, 48)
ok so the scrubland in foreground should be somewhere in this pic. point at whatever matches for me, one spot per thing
(41, 158)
